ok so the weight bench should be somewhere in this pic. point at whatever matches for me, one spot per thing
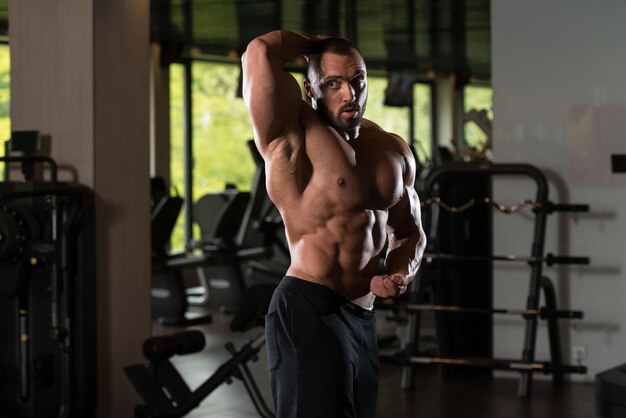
(163, 390)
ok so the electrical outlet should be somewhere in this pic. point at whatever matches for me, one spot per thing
(579, 353)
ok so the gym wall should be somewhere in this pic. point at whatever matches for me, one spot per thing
(560, 104)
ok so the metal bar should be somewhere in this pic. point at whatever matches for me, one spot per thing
(352, 21)
(500, 364)
(7, 169)
(36, 159)
(188, 150)
(254, 392)
(417, 287)
(542, 312)
(23, 350)
(553, 329)
(434, 125)
(563, 207)
(549, 259)
(530, 337)
(73, 193)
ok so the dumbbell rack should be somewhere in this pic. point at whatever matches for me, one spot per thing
(409, 355)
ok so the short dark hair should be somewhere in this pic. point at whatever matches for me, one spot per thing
(334, 45)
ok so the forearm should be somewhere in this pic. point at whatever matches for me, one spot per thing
(282, 45)
(404, 255)
(403, 259)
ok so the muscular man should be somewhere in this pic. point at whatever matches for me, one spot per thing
(344, 188)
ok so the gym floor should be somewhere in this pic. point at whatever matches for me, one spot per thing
(434, 396)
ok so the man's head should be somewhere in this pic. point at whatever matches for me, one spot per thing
(336, 82)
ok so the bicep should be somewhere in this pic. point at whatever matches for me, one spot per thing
(405, 216)
(271, 94)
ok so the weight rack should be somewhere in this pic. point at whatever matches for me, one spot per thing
(408, 357)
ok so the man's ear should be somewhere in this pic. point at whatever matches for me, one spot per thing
(307, 87)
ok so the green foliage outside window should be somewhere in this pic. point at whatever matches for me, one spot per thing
(177, 130)
(422, 125)
(5, 120)
(391, 119)
(221, 130)
(177, 147)
(221, 127)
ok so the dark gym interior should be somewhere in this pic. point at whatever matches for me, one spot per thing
(139, 247)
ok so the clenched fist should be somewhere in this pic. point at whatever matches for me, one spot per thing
(388, 286)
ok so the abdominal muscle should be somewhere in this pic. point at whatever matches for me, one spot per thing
(341, 253)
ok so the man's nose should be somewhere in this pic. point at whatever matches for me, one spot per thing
(347, 92)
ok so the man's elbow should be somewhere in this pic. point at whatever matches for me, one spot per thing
(256, 47)
(251, 58)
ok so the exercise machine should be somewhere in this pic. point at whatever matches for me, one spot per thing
(163, 390)
(169, 300)
(47, 289)
(219, 216)
(247, 224)
(242, 244)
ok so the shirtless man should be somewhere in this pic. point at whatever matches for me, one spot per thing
(344, 187)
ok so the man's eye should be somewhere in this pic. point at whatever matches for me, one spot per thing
(332, 84)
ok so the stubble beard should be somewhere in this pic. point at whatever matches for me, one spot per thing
(336, 121)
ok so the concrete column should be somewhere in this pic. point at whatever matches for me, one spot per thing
(80, 73)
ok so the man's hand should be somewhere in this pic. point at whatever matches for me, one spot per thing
(388, 286)
(314, 38)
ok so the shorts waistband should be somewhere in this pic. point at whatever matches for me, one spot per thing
(325, 296)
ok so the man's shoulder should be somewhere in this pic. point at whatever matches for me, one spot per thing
(371, 129)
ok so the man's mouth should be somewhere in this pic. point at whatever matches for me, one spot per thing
(350, 111)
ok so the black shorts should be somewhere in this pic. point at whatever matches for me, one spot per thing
(322, 353)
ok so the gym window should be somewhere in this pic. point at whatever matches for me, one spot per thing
(220, 129)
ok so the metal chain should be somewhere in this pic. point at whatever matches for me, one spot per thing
(485, 201)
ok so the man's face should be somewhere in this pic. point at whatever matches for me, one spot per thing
(338, 90)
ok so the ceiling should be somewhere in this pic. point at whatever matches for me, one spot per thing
(419, 36)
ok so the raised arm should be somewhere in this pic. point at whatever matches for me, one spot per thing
(406, 239)
(272, 95)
